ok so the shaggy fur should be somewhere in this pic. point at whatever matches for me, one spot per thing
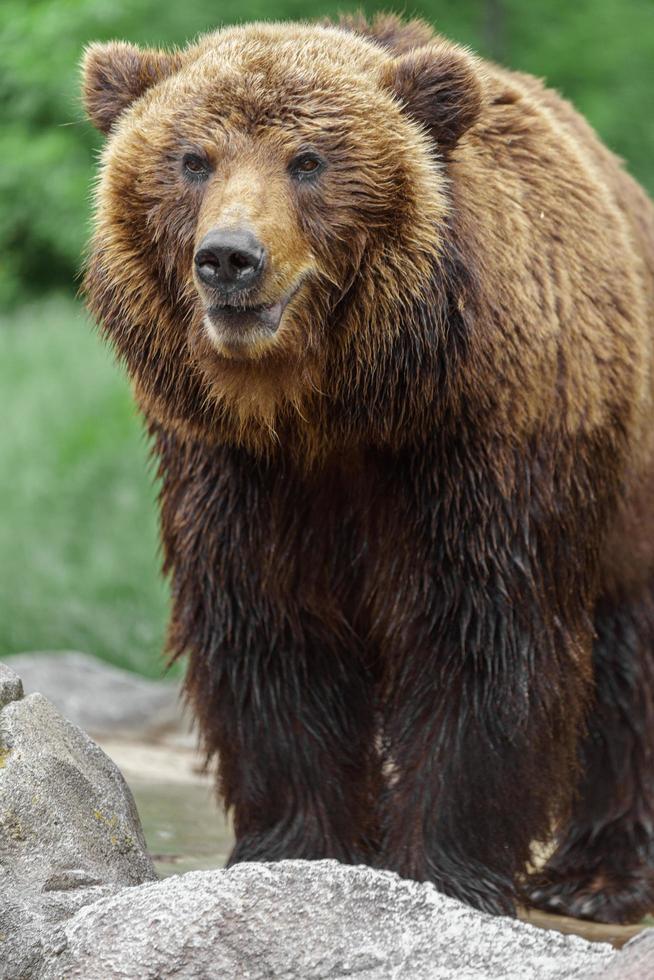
(410, 534)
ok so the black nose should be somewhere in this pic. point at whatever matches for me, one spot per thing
(230, 259)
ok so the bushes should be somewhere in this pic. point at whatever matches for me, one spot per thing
(78, 529)
(599, 52)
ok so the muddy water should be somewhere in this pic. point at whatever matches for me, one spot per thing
(183, 826)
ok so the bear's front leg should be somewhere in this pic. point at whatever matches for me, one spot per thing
(290, 719)
(481, 762)
(277, 678)
(487, 679)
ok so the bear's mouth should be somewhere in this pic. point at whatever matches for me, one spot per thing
(236, 326)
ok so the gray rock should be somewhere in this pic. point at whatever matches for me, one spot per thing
(98, 697)
(303, 920)
(78, 897)
(634, 962)
(69, 831)
(11, 688)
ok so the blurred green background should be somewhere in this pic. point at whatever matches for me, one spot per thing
(78, 544)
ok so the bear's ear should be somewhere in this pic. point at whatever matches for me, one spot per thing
(439, 86)
(115, 74)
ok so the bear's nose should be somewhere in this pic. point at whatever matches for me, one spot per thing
(229, 259)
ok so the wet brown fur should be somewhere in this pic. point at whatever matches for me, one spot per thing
(410, 537)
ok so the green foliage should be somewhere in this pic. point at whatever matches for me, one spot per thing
(78, 532)
(598, 52)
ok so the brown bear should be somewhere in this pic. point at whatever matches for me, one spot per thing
(388, 310)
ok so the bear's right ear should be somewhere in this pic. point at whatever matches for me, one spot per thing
(441, 87)
(115, 74)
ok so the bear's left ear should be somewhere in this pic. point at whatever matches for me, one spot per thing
(115, 74)
(439, 86)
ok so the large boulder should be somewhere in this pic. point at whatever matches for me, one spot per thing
(100, 698)
(69, 831)
(302, 920)
(634, 962)
(78, 897)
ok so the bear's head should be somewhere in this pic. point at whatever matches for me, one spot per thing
(270, 224)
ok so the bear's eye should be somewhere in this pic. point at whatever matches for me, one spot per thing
(306, 165)
(195, 167)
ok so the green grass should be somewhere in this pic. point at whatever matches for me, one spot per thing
(78, 536)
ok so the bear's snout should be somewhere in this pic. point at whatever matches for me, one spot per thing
(230, 259)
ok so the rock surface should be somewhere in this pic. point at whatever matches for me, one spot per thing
(69, 831)
(98, 697)
(78, 899)
(11, 686)
(634, 962)
(303, 920)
